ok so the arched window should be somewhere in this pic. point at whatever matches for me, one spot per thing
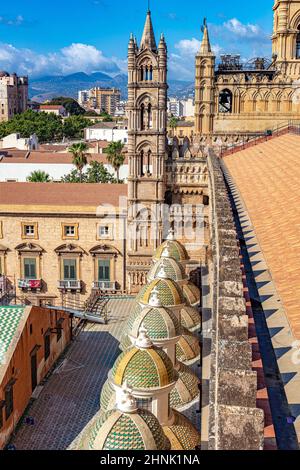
(146, 73)
(151, 73)
(142, 163)
(149, 116)
(149, 162)
(142, 73)
(225, 101)
(142, 117)
(298, 44)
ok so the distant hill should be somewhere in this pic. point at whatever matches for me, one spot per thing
(48, 87)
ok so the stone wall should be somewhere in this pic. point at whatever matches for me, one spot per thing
(234, 421)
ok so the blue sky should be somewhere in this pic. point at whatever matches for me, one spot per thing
(64, 36)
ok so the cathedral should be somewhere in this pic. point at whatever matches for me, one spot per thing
(239, 99)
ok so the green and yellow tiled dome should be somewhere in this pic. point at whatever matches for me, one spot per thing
(168, 292)
(167, 268)
(107, 397)
(144, 368)
(182, 434)
(116, 430)
(186, 389)
(191, 293)
(125, 342)
(188, 347)
(161, 323)
(172, 249)
(190, 318)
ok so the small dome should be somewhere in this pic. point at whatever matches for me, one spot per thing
(182, 434)
(124, 428)
(144, 368)
(167, 268)
(190, 318)
(191, 293)
(166, 291)
(107, 397)
(188, 347)
(186, 389)
(172, 249)
(160, 323)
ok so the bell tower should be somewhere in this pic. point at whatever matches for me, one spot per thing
(286, 36)
(147, 141)
(204, 87)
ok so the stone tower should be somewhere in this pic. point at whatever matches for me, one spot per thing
(204, 87)
(147, 140)
(286, 36)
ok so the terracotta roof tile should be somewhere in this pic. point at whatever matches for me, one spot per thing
(268, 177)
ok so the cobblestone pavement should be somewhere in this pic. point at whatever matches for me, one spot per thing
(70, 397)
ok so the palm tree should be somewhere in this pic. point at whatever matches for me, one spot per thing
(115, 156)
(39, 176)
(79, 156)
(173, 123)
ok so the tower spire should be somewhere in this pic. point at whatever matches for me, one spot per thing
(148, 39)
(205, 45)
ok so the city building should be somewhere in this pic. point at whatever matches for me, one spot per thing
(31, 339)
(110, 131)
(17, 166)
(100, 99)
(57, 109)
(181, 108)
(15, 141)
(254, 97)
(62, 242)
(13, 95)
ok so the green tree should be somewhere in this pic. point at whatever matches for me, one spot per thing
(79, 151)
(115, 156)
(74, 125)
(173, 123)
(74, 177)
(97, 173)
(39, 176)
(71, 105)
(47, 127)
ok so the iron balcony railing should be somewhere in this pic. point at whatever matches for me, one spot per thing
(71, 285)
(105, 285)
(30, 284)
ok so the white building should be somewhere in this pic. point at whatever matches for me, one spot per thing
(83, 97)
(17, 142)
(109, 131)
(188, 107)
(181, 108)
(58, 110)
(17, 165)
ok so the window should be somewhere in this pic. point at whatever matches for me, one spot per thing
(47, 345)
(29, 230)
(103, 270)
(70, 271)
(29, 268)
(225, 101)
(9, 401)
(70, 231)
(298, 44)
(104, 231)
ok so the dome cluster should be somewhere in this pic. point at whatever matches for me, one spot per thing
(151, 382)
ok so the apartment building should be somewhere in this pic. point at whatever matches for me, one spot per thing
(13, 95)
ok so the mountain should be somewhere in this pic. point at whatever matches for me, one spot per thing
(48, 87)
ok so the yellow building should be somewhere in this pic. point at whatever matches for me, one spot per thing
(59, 241)
(105, 99)
(261, 95)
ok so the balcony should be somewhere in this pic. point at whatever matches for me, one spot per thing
(30, 284)
(70, 285)
(107, 286)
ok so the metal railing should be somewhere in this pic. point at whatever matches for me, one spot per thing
(288, 127)
(105, 285)
(72, 285)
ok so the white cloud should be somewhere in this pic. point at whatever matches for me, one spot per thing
(243, 30)
(74, 58)
(187, 47)
(12, 21)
